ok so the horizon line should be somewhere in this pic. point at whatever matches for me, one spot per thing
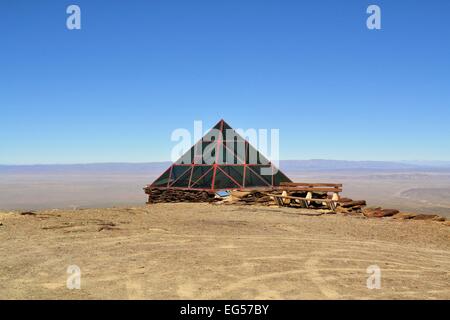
(168, 161)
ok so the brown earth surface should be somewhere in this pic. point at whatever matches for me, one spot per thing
(204, 251)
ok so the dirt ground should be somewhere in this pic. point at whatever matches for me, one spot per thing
(202, 251)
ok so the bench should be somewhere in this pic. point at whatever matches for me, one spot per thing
(331, 203)
(310, 188)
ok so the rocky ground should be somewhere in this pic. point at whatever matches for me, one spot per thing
(219, 251)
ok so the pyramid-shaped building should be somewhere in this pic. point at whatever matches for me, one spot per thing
(221, 160)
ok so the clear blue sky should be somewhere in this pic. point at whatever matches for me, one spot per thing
(114, 90)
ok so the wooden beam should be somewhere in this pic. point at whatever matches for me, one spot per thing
(308, 189)
(293, 184)
(299, 198)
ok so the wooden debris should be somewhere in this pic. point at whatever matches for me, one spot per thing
(237, 195)
(179, 195)
(317, 196)
(346, 206)
(343, 200)
(353, 204)
(250, 197)
(283, 199)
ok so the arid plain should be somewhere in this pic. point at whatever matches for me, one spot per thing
(206, 251)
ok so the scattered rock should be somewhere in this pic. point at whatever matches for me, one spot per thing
(379, 213)
(439, 218)
(404, 215)
(426, 217)
(107, 226)
(28, 213)
(389, 212)
(446, 223)
(1, 223)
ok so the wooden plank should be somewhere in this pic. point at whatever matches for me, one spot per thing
(307, 189)
(293, 184)
(299, 198)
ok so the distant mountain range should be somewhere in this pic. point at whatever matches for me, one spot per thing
(288, 165)
(118, 168)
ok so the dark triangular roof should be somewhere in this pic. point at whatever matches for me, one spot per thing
(221, 160)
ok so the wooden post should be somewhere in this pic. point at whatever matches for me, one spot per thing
(309, 195)
(286, 201)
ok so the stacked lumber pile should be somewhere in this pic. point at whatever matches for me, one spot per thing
(177, 195)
